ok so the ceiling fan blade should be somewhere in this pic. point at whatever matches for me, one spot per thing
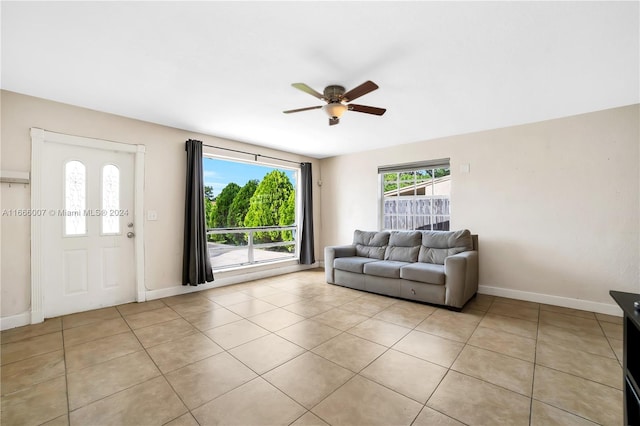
(333, 121)
(302, 109)
(307, 89)
(363, 89)
(366, 109)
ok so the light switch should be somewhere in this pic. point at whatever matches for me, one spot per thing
(152, 215)
(464, 168)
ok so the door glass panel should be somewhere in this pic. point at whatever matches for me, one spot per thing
(110, 199)
(75, 194)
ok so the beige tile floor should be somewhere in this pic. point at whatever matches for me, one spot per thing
(295, 350)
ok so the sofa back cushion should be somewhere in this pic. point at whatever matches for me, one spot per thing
(404, 246)
(437, 245)
(370, 244)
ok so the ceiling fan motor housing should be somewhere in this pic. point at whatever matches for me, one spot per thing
(333, 93)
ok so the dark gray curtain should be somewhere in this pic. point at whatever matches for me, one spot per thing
(307, 256)
(196, 265)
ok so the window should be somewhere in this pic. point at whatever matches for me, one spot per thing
(110, 199)
(416, 195)
(75, 195)
(251, 211)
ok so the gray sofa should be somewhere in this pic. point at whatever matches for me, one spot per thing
(439, 267)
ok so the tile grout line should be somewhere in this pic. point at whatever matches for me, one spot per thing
(162, 374)
(535, 365)
(66, 373)
(69, 411)
(258, 375)
(589, 353)
(449, 369)
(388, 348)
(564, 372)
(309, 410)
(227, 351)
(342, 332)
(608, 339)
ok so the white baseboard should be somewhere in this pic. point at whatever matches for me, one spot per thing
(15, 321)
(221, 282)
(567, 302)
(586, 305)
(25, 317)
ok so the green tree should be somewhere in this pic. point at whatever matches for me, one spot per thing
(241, 202)
(287, 216)
(209, 206)
(221, 212)
(391, 180)
(442, 172)
(208, 193)
(223, 204)
(239, 208)
(209, 212)
(265, 204)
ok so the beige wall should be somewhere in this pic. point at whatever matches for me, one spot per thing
(555, 204)
(164, 186)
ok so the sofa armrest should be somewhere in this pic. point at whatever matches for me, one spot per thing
(332, 252)
(461, 278)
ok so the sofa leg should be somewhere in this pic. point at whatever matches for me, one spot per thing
(453, 308)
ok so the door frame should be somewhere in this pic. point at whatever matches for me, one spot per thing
(40, 137)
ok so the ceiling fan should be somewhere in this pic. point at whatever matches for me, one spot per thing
(337, 100)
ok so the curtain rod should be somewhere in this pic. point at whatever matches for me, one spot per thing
(254, 155)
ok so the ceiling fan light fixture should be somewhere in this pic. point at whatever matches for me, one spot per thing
(335, 109)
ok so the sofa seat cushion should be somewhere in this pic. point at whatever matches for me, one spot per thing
(384, 268)
(423, 272)
(352, 264)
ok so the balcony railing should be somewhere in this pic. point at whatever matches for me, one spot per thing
(431, 212)
(234, 247)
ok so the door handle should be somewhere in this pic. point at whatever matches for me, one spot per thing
(130, 234)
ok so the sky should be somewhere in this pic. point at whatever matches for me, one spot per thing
(219, 173)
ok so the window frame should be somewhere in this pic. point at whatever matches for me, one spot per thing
(411, 168)
(297, 185)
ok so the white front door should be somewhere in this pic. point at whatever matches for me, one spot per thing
(88, 230)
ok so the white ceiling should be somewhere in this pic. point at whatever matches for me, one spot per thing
(226, 68)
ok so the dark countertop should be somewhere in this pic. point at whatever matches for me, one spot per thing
(625, 301)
